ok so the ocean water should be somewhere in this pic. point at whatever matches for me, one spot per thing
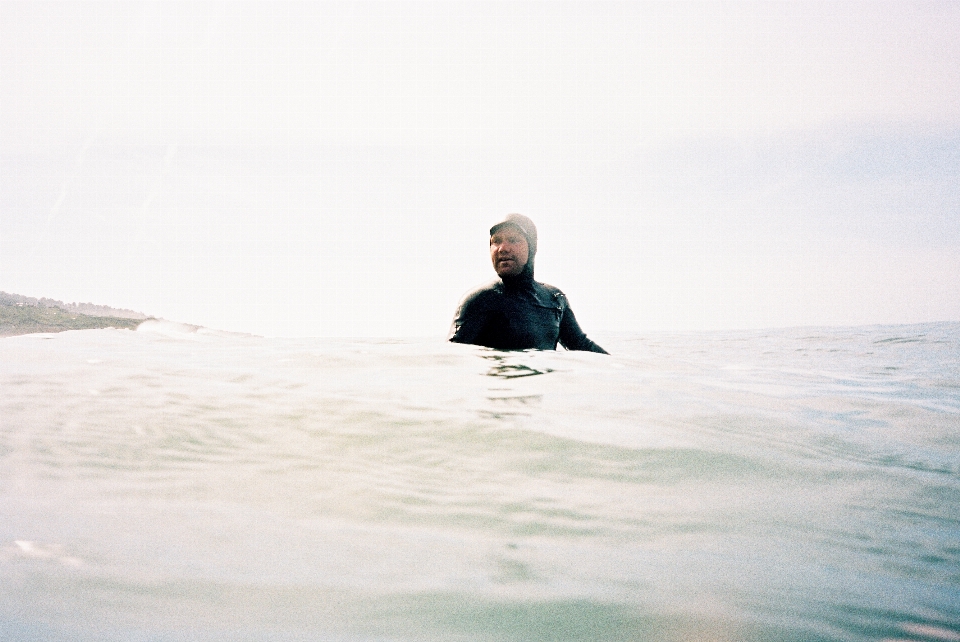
(175, 484)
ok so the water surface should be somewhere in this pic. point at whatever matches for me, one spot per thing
(173, 484)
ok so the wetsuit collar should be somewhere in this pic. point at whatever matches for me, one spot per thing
(524, 280)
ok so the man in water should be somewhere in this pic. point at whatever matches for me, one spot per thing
(515, 312)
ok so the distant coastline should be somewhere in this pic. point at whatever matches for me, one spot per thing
(27, 315)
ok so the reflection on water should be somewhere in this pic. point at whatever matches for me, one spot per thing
(505, 367)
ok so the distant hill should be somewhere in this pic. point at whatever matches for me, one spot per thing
(25, 315)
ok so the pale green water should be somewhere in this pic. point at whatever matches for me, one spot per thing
(782, 485)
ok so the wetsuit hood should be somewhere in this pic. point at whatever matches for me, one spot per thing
(522, 223)
(529, 231)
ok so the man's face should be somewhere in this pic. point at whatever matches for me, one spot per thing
(509, 251)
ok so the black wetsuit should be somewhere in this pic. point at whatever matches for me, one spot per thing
(518, 313)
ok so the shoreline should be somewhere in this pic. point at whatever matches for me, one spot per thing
(22, 315)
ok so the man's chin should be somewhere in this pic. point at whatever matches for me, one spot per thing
(506, 271)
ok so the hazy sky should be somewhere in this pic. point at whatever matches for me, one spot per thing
(326, 168)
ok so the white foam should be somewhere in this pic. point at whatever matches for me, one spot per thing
(184, 330)
(168, 328)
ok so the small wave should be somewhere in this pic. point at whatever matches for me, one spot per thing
(918, 339)
(169, 328)
(185, 330)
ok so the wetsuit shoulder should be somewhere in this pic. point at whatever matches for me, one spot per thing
(481, 294)
(552, 289)
(471, 314)
(550, 295)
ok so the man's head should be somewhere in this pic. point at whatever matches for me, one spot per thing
(513, 245)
